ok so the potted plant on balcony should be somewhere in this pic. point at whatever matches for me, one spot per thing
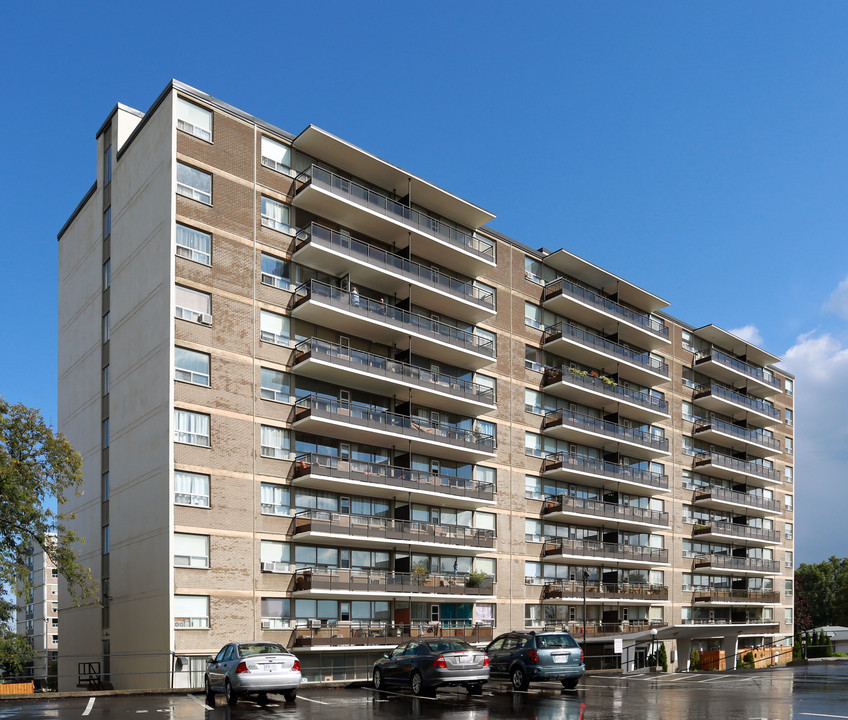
(475, 579)
(420, 573)
(606, 380)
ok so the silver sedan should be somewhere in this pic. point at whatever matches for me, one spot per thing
(259, 668)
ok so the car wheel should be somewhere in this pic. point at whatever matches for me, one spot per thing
(518, 678)
(378, 680)
(290, 695)
(475, 688)
(570, 683)
(417, 683)
(210, 695)
(230, 694)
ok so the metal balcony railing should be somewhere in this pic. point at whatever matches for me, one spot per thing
(738, 398)
(365, 197)
(739, 498)
(729, 595)
(732, 562)
(745, 434)
(570, 418)
(564, 286)
(344, 244)
(597, 384)
(375, 632)
(731, 463)
(596, 342)
(597, 508)
(391, 476)
(344, 355)
(610, 551)
(724, 527)
(383, 313)
(607, 591)
(616, 471)
(365, 581)
(723, 358)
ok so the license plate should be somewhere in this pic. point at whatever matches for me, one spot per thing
(273, 667)
(465, 658)
(561, 659)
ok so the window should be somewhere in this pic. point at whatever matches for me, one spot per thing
(275, 215)
(107, 275)
(275, 155)
(191, 550)
(191, 489)
(106, 433)
(533, 401)
(486, 476)
(191, 611)
(194, 119)
(275, 272)
(194, 244)
(788, 559)
(107, 222)
(104, 490)
(274, 499)
(191, 366)
(273, 328)
(787, 474)
(787, 499)
(105, 538)
(194, 183)
(105, 381)
(274, 442)
(275, 613)
(277, 553)
(787, 415)
(275, 386)
(191, 428)
(787, 530)
(107, 166)
(788, 446)
(107, 327)
(193, 305)
(688, 341)
(788, 386)
(485, 521)
(787, 615)
(532, 358)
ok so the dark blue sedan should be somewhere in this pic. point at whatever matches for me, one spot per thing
(424, 665)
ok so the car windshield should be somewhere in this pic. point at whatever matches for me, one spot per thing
(247, 649)
(555, 641)
(449, 646)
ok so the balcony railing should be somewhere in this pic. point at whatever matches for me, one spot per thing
(596, 629)
(346, 245)
(745, 434)
(607, 591)
(616, 471)
(344, 355)
(724, 527)
(391, 476)
(596, 342)
(738, 498)
(569, 418)
(723, 358)
(720, 621)
(729, 595)
(374, 632)
(747, 401)
(611, 511)
(383, 528)
(390, 315)
(610, 551)
(387, 581)
(363, 196)
(732, 562)
(731, 463)
(410, 426)
(613, 390)
(563, 286)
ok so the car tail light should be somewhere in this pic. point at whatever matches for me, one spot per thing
(242, 668)
(533, 655)
(296, 665)
(485, 660)
(581, 654)
(439, 662)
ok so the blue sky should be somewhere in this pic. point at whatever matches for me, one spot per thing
(697, 149)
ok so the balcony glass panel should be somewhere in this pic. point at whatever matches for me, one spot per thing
(597, 549)
(747, 401)
(739, 498)
(613, 511)
(580, 463)
(723, 527)
(735, 464)
(602, 427)
(361, 580)
(723, 358)
(742, 433)
(596, 384)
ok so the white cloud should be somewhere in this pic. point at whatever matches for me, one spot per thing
(820, 365)
(837, 303)
(749, 333)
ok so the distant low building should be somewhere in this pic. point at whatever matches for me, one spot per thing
(838, 635)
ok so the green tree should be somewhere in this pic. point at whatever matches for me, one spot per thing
(36, 467)
(663, 657)
(824, 587)
(15, 650)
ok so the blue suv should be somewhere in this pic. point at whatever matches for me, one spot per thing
(527, 656)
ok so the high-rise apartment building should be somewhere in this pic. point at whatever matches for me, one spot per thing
(37, 616)
(320, 402)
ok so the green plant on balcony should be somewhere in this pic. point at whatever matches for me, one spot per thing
(420, 573)
(606, 380)
(475, 579)
(578, 371)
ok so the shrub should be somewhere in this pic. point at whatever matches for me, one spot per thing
(663, 657)
(694, 661)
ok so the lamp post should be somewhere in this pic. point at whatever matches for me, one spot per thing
(585, 578)
(653, 644)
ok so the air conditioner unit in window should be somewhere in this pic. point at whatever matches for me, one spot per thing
(268, 567)
(266, 624)
(205, 319)
(184, 252)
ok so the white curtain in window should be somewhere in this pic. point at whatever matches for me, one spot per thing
(192, 424)
(191, 484)
(194, 178)
(277, 152)
(277, 212)
(194, 114)
(191, 606)
(271, 551)
(275, 441)
(191, 546)
(484, 520)
(193, 300)
(194, 239)
(273, 324)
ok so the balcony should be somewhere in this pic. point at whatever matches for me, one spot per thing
(736, 565)
(332, 307)
(337, 253)
(590, 349)
(375, 426)
(740, 439)
(726, 466)
(565, 297)
(609, 436)
(358, 207)
(597, 513)
(600, 629)
(386, 583)
(723, 530)
(734, 404)
(327, 472)
(637, 592)
(591, 390)
(341, 364)
(388, 532)
(729, 596)
(731, 370)
(719, 498)
(598, 473)
(371, 634)
(622, 555)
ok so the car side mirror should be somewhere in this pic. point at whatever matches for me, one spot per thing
(210, 660)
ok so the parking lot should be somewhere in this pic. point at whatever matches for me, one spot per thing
(803, 693)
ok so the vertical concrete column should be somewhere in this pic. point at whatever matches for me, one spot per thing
(628, 657)
(684, 649)
(730, 645)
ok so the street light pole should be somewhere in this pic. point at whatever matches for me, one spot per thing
(653, 644)
(585, 578)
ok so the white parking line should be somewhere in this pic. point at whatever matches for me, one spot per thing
(202, 704)
(823, 715)
(320, 702)
(89, 706)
